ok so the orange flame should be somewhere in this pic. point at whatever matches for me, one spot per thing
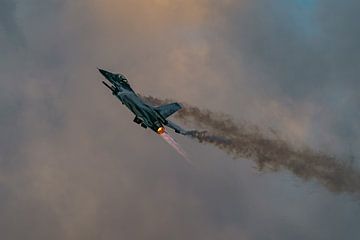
(161, 130)
(176, 146)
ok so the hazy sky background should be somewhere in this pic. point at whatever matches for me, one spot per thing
(73, 165)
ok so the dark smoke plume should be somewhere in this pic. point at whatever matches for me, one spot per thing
(269, 151)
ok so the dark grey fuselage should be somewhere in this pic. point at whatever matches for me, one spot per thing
(145, 115)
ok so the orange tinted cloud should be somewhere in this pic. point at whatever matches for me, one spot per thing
(151, 15)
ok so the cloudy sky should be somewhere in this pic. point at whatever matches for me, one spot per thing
(73, 165)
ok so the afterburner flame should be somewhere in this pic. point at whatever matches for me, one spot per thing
(175, 145)
(161, 130)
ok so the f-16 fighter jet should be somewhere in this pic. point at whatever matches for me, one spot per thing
(147, 116)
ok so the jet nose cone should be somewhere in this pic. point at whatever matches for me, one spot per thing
(108, 75)
(103, 72)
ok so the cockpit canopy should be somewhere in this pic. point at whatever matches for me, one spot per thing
(123, 78)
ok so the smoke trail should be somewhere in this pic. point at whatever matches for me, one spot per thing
(268, 151)
(175, 145)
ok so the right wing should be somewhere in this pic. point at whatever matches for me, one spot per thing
(168, 109)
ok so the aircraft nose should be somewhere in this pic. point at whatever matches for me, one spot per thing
(103, 72)
(108, 75)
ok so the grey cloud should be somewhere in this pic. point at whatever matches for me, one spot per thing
(10, 32)
(73, 167)
(302, 55)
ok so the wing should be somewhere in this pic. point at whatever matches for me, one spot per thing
(168, 109)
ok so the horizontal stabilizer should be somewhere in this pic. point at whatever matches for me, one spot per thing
(168, 109)
(177, 128)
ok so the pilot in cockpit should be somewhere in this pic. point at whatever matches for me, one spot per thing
(123, 78)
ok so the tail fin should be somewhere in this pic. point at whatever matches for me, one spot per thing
(168, 109)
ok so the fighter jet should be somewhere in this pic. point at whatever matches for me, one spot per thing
(147, 116)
